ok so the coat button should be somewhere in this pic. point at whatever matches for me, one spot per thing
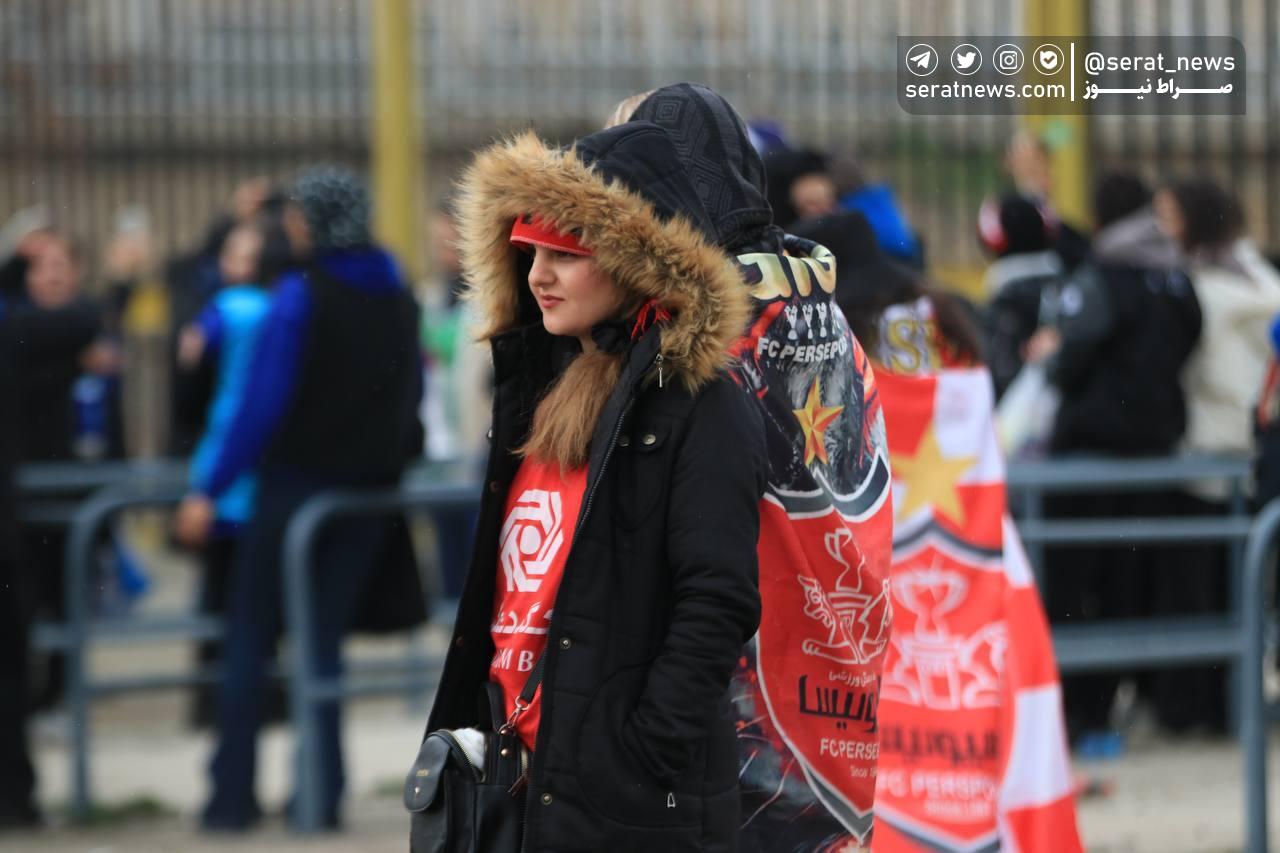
(460, 642)
(565, 642)
(649, 440)
(625, 441)
(489, 435)
(547, 799)
(494, 486)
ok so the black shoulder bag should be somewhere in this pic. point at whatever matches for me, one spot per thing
(468, 803)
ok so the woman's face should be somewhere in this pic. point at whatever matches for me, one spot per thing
(573, 293)
(238, 261)
(1169, 215)
(813, 195)
(53, 279)
(296, 230)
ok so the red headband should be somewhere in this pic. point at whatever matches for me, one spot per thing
(532, 231)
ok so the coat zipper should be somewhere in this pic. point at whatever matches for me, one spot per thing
(608, 454)
(582, 520)
(604, 464)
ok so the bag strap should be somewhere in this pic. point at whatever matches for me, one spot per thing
(525, 699)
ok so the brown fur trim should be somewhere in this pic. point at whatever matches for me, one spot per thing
(668, 261)
(650, 258)
(566, 417)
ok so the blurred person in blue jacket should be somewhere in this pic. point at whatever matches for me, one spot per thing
(193, 277)
(224, 335)
(804, 184)
(877, 202)
(331, 401)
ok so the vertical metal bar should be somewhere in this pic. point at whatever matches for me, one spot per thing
(1202, 148)
(1033, 511)
(298, 547)
(205, 165)
(92, 209)
(48, 115)
(157, 144)
(79, 552)
(1237, 603)
(284, 115)
(1270, 147)
(167, 192)
(230, 109)
(1253, 734)
(354, 120)
(1237, 139)
(1237, 591)
(316, 83)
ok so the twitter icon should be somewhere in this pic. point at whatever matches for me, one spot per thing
(966, 59)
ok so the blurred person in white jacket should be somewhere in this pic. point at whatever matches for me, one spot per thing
(1239, 293)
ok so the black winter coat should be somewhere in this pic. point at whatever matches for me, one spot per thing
(1024, 294)
(1120, 365)
(47, 344)
(636, 750)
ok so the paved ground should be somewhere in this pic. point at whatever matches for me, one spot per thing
(1167, 798)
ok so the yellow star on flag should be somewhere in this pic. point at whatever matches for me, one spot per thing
(814, 419)
(930, 479)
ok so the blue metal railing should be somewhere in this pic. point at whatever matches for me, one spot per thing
(308, 691)
(1238, 638)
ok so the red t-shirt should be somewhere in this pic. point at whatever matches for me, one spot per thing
(537, 530)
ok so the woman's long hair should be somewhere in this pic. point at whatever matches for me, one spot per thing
(624, 109)
(566, 417)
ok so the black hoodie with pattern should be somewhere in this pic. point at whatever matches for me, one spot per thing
(810, 677)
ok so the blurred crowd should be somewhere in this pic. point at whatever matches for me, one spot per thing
(1153, 332)
(291, 349)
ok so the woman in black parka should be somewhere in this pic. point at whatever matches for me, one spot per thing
(626, 466)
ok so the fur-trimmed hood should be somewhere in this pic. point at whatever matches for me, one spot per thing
(627, 196)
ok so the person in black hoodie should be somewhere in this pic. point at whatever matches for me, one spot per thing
(800, 354)
(17, 777)
(331, 402)
(54, 331)
(1022, 283)
(1127, 321)
(617, 529)
(54, 328)
(868, 281)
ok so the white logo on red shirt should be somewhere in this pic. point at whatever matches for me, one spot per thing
(509, 621)
(530, 539)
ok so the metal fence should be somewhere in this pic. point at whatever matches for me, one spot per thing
(168, 103)
(1236, 637)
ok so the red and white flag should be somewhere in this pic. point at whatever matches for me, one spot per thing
(973, 753)
(807, 687)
